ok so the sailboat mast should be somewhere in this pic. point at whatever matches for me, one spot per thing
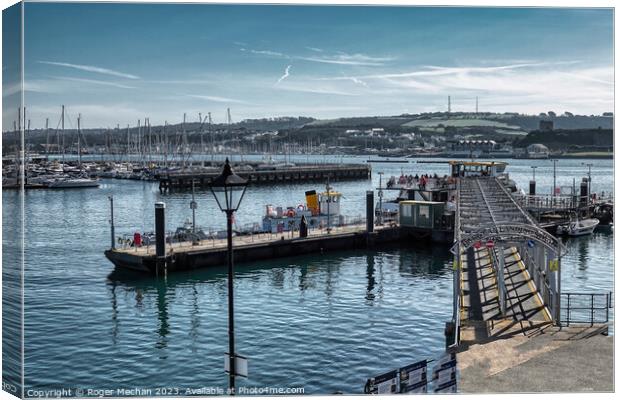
(150, 144)
(165, 145)
(47, 136)
(211, 134)
(128, 143)
(62, 125)
(183, 141)
(79, 149)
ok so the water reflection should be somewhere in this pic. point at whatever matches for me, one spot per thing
(162, 315)
(582, 250)
(370, 271)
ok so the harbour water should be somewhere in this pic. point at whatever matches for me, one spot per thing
(322, 322)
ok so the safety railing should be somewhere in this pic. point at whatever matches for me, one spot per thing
(552, 202)
(585, 308)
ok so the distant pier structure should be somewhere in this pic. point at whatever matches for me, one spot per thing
(286, 174)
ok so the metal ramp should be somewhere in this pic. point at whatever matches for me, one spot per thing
(498, 288)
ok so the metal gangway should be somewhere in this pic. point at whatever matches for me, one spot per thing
(506, 268)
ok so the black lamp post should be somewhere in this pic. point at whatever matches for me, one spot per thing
(228, 190)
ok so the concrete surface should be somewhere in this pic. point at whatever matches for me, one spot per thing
(549, 360)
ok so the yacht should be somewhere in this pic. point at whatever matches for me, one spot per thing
(71, 183)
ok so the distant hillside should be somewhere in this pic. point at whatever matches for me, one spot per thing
(562, 139)
(506, 123)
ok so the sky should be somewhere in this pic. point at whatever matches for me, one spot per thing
(118, 63)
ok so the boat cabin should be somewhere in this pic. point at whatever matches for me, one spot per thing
(330, 201)
(476, 168)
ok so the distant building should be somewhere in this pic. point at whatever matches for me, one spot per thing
(608, 114)
(472, 148)
(537, 150)
(545, 125)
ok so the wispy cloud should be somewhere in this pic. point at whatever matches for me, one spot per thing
(358, 81)
(341, 58)
(317, 90)
(95, 82)
(268, 53)
(264, 52)
(216, 99)
(91, 68)
(350, 59)
(432, 70)
(286, 74)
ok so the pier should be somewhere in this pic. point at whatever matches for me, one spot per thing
(511, 317)
(290, 174)
(209, 253)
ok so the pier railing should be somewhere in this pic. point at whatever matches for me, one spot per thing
(586, 308)
(248, 234)
(552, 202)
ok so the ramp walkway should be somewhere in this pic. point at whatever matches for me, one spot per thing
(498, 292)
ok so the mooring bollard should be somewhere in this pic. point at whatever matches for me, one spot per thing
(370, 211)
(160, 238)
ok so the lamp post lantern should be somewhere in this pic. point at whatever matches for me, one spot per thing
(228, 190)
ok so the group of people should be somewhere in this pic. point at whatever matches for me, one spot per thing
(421, 181)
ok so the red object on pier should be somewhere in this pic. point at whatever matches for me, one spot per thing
(490, 244)
(137, 239)
(477, 245)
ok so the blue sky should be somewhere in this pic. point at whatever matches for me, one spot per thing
(117, 63)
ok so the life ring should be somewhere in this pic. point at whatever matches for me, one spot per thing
(290, 213)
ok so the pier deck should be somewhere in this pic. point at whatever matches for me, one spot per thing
(186, 256)
(294, 174)
(497, 291)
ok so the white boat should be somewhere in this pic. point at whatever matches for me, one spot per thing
(71, 183)
(578, 227)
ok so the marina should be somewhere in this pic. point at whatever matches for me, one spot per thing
(210, 199)
(366, 280)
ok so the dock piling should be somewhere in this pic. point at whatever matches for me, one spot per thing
(370, 214)
(160, 237)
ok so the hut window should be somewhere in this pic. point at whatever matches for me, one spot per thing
(424, 212)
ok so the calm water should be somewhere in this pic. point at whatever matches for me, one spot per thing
(321, 322)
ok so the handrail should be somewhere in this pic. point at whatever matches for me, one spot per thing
(583, 317)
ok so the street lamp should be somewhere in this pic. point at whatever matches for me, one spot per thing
(534, 172)
(228, 190)
(554, 176)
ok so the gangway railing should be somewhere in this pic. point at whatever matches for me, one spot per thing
(586, 308)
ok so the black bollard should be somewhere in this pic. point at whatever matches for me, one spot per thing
(532, 188)
(584, 195)
(370, 211)
(160, 237)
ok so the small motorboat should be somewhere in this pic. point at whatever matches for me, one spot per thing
(578, 227)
